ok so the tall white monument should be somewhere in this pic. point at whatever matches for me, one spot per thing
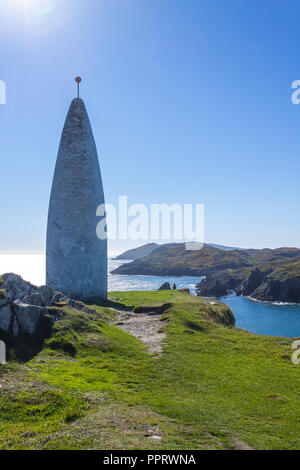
(76, 257)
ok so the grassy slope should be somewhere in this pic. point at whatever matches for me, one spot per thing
(206, 389)
(287, 271)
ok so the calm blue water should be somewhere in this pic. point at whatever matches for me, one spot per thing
(263, 318)
(126, 283)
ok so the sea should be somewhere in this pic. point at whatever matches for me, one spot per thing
(263, 318)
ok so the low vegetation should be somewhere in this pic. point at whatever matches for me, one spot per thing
(94, 386)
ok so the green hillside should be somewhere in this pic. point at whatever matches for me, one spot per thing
(94, 386)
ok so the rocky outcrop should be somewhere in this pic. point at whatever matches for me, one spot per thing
(211, 287)
(25, 308)
(255, 279)
(165, 286)
(267, 285)
(281, 290)
(28, 313)
(15, 287)
(222, 315)
(219, 285)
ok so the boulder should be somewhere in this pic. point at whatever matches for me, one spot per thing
(15, 287)
(79, 306)
(58, 297)
(24, 307)
(165, 286)
(34, 299)
(47, 294)
(28, 317)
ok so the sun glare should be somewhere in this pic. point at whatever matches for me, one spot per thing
(26, 4)
(38, 17)
(33, 6)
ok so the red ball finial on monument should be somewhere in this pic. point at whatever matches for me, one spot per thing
(78, 80)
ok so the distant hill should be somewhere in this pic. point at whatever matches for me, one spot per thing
(139, 252)
(147, 249)
(224, 247)
(262, 274)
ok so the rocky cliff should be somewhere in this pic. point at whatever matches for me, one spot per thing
(274, 285)
(27, 312)
(262, 274)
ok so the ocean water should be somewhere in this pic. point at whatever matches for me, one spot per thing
(123, 283)
(264, 318)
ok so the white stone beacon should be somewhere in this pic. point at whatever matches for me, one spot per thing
(76, 258)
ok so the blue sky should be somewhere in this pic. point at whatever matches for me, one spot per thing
(190, 102)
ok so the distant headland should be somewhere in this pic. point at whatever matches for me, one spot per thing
(262, 274)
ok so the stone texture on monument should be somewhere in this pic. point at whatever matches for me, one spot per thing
(76, 257)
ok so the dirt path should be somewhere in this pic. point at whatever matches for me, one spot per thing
(144, 326)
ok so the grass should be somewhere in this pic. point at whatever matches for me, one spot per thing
(287, 271)
(93, 386)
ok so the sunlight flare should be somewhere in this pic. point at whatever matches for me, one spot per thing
(39, 7)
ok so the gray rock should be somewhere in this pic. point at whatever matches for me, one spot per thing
(16, 329)
(56, 315)
(28, 317)
(165, 286)
(46, 293)
(80, 306)
(34, 299)
(15, 287)
(4, 301)
(23, 305)
(3, 298)
(5, 318)
(58, 297)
